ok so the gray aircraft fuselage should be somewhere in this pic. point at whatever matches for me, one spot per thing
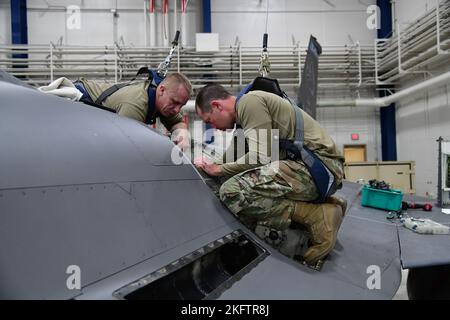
(89, 196)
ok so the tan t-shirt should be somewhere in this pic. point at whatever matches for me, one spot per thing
(263, 110)
(130, 101)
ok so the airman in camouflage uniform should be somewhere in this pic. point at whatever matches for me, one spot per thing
(280, 192)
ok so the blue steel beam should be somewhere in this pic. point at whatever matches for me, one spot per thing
(207, 29)
(206, 16)
(19, 25)
(387, 114)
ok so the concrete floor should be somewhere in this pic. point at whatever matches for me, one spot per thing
(402, 293)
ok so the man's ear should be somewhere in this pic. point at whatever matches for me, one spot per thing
(161, 88)
(216, 104)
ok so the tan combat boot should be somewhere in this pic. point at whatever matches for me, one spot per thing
(322, 221)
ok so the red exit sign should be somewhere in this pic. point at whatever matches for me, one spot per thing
(355, 136)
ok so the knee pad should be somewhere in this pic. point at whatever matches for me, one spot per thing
(290, 242)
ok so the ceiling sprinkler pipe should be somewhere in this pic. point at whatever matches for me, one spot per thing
(388, 100)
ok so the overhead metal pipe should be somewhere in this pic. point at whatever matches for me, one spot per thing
(386, 101)
(419, 37)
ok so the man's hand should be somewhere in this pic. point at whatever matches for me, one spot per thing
(181, 137)
(210, 168)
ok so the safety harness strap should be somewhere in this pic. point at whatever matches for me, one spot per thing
(299, 127)
(151, 110)
(152, 76)
(105, 94)
(322, 176)
(295, 150)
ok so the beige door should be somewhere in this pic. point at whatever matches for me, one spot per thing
(355, 153)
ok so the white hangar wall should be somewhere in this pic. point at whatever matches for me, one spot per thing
(47, 22)
(421, 120)
(425, 117)
(332, 22)
(5, 22)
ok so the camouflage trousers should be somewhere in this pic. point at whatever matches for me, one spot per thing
(267, 195)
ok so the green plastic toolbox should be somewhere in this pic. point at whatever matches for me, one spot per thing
(382, 199)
